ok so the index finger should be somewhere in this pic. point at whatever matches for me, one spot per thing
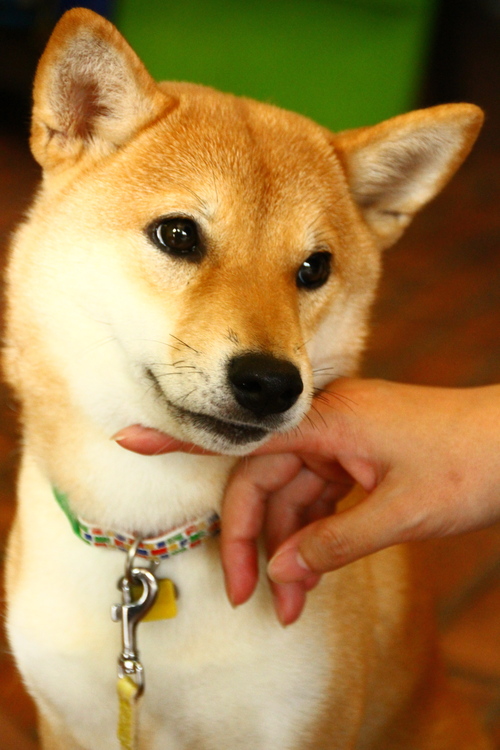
(318, 432)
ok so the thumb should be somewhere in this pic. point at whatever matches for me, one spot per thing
(378, 521)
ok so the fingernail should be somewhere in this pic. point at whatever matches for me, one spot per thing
(288, 566)
(119, 436)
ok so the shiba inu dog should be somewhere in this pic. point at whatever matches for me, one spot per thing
(200, 264)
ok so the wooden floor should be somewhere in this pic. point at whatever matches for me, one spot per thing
(437, 322)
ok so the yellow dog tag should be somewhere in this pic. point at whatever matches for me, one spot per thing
(165, 606)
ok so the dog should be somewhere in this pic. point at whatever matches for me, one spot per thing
(201, 264)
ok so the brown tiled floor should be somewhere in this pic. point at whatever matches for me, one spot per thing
(437, 322)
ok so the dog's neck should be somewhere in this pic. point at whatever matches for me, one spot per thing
(70, 440)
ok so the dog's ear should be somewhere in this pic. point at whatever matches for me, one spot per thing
(91, 92)
(395, 168)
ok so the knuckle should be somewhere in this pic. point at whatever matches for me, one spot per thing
(328, 548)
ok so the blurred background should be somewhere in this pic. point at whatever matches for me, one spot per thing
(344, 63)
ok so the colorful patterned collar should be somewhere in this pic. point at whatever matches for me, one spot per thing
(156, 548)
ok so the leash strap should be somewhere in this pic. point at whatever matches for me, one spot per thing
(128, 696)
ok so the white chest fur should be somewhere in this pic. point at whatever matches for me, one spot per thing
(216, 677)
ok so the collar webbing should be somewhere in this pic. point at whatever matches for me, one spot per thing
(160, 547)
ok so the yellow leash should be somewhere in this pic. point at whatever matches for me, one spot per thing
(128, 695)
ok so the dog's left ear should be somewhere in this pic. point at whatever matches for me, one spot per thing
(395, 168)
(91, 92)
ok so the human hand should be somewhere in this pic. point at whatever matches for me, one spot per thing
(428, 459)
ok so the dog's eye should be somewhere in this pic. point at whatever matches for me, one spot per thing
(315, 271)
(177, 236)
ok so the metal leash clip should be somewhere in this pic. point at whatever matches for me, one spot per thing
(130, 612)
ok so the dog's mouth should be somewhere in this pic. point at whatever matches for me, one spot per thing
(237, 433)
(234, 432)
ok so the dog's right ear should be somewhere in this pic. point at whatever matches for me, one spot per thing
(91, 92)
(393, 169)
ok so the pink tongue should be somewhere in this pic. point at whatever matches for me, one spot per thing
(147, 441)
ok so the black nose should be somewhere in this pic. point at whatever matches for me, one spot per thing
(264, 384)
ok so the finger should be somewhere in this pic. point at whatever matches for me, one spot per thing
(326, 503)
(150, 442)
(317, 433)
(285, 511)
(329, 469)
(243, 514)
(286, 508)
(289, 600)
(324, 426)
(311, 582)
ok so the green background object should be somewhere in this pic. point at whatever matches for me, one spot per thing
(344, 63)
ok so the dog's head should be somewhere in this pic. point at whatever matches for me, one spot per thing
(202, 263)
